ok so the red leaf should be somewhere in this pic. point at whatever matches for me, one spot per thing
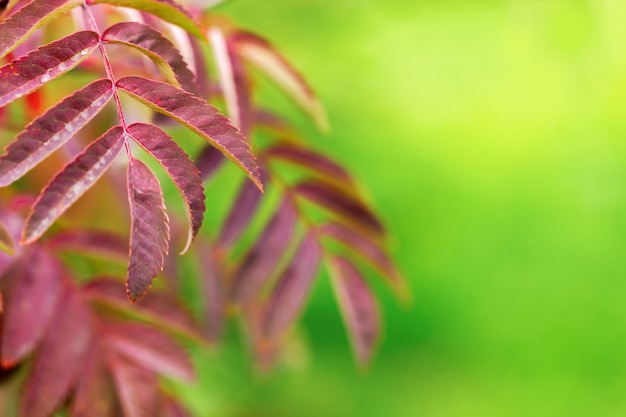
(59, 360)
(48, 62)
(256, 268)
(150, 231)
(262, 55)
(179, 167)
(52, 129)
(72, 182)
(156, 47)
(197, 115)
(30, 302)
(29, 18)
(171, 408)
(94, 396)
(151, 349)
(347, 206)
(136, 388)
(358, 306)
(242, 211)
(96, 242)
(291, 290)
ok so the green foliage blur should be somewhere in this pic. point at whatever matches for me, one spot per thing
(491, 136)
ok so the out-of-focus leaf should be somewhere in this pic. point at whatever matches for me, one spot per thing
(96, 242)
(158, 48)
(358, 306)
(338, 201)
(289, 294)
(208, 161)
(171, 408)
(32, 293)
(52, 129)
(167, 10)
(179, 167)
(151, 349)
(197, 115)
(60, 358)
(241, 212)
(150, 234)
(29, 18)
(260, 261)
(262, 55)
(136, 388)
(48, 62)
(214, 291)
(13, 224)
(4, 4)
(94, 395)
(7, 245)
(72, 182)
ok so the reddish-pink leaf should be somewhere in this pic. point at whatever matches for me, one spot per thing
(262, 55)
(72, 182)
(358, 306)
(307, 158)
(242, 211)
(29, 18)
(13, 224)
(168, 10)
(208, 161)
(152, 349)
(158, 48)
(95, 242)
(52, 129)
(150, 233)
(261, 260)
(48, 62)
(171, 408)
(179, 167)
(136, 386)
(32, 293)
(345, 205)
(197, 115)
(94, 395)
(289, 294)
(214, 292)
(60, 358)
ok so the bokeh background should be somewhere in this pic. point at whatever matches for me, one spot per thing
(492, 138)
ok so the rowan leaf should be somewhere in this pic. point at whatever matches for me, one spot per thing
(94, 395)
(208, 161)
(53, 129)
(347, 206)
(150, 233)
(212, 276)
(242, 211)
(358, 307)
(136, 388)
(261, 54)
(197, 115)
(44, 64)
(151, 349)
(29, 18)
(158, 48)
(30, 301)
(257, 266)
(289, 294)
(72, 182)
(60, 358)
(167, 10)
(179, 167)
(95, 242)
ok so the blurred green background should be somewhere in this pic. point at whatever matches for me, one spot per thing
(491, 136)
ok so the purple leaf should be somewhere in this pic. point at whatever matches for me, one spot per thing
(306, 158)
(29, 18)
(167, 10)
(358, 307)
(197, 115)
(260, 53)
(337, 201)
(257, 266)
(242, 211)
(51, 130)
(72, 182)
(94, 395)
(48, 62)
(289, 294)
(208, 161)
(97, 242)
(150, 231)
(156, 47)
(151, 349)
(179, 167)
(31, 299)
(214, 292)
(136, 388)
(60, 358)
